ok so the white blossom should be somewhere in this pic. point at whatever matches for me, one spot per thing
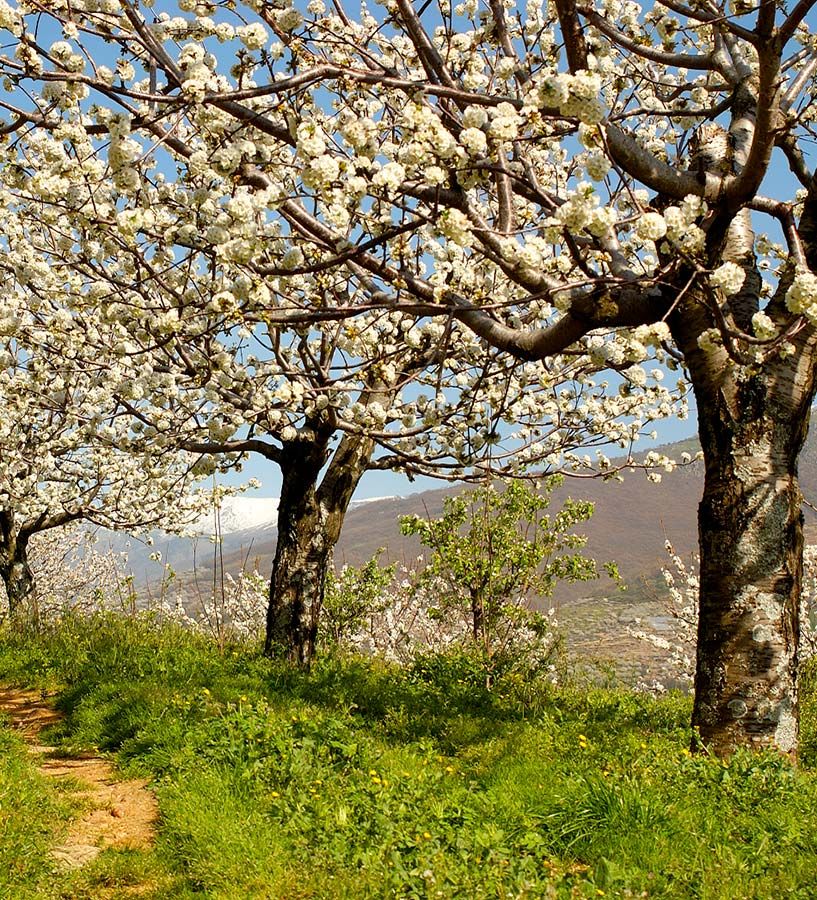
(763, 326)
(651, 226)
(801, 297)
(253, 36)
(729, 277)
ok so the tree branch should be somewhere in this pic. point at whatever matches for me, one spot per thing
(786, 31)
(246, 445)
(685, 60)
(658, 175)
(573, 34)
(429, 55)
(699, 15)
(766, 117)
(630, 306)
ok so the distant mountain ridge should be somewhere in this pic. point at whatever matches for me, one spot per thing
(241, 524)
(632, 521)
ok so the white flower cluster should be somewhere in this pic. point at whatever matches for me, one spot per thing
(578, 95)
(198, 67)
(68, 60)
(801, 297)
(359, 132)
(763, 327)
(728, 277)
(10, 19)
(710, 340)
(288, 19)
(321, 172)
(455, 226)
(475, 141)
(505, 123)
(581, 212)
(682, 232)
(597, 165)
(390, 176)
(253, 37)
(651, 226)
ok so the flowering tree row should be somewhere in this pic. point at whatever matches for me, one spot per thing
(200, 245)
(577, 186)
(66, 447)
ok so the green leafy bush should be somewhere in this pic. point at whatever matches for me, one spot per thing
(496, 553)
(352, 597)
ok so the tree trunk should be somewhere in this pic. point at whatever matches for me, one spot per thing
(477, 618)
(753, 414)
(16, 574)
(310, 518)
(752, 426)
(751, 542)
(482, 638)
(301, 556)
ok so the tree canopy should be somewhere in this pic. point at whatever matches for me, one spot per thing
(582, 187)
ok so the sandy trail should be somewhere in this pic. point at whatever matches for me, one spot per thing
(116, 813)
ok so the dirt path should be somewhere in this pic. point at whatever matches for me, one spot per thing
(120, 814)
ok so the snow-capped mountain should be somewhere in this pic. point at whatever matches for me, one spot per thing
(244, 525)
(355, 503)
(242, 513)
(238, 513)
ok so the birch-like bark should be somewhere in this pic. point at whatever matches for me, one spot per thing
(311, 512)
(751, 542)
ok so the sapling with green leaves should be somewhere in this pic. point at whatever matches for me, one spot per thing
(352, 596)
(497, 553)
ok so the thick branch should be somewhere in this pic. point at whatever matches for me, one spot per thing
(795, 17)
(766, 121)
(804, 76)
(47, 522)
(247, 445)
(573, 34)
(630, 306)
(656, 174)
(685, 60)
(428, 53)
(796, 160)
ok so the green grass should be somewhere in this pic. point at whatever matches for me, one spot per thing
(30, 821)
(363, 780)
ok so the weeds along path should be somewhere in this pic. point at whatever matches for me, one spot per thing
(115, 813)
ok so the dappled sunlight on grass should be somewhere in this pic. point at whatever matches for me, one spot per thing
(361, 779)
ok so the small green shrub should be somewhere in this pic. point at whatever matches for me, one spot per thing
(352, 596)
(493, 554)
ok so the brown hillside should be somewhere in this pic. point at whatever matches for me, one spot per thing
(631, 523)
(632, 520)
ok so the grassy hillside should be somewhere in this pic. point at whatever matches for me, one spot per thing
(364, 780)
